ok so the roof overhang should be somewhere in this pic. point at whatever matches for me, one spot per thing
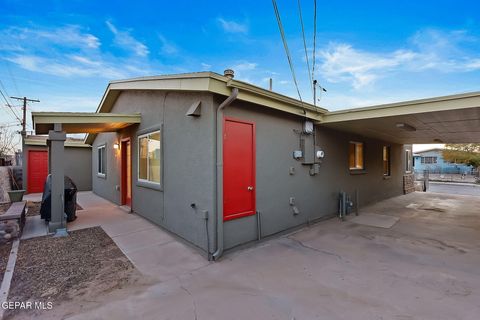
(448, 119)
(215, 83)
(43, 142)
(208, 82)
(83, 122)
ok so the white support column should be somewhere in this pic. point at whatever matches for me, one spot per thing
(56, 144)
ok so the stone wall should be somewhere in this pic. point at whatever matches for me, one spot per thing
(4, 184)
(408, 183)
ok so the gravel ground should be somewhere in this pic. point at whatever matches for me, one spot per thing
(34, 208)
(4, 254)
(70, 272)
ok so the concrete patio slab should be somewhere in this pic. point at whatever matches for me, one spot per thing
(87, 199)
(375, 220)
(423, 267)
(34, 227)
(166, 261)
(128, 226)
(142, 239)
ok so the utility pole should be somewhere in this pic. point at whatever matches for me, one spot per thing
(315, 92)
(24, 120)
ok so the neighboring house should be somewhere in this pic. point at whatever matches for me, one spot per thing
(78, 163)
(222, 163)
(432, 160)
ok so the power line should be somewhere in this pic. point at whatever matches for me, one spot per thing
(314, 36)
(11, 116)
(305, 45)
(11, 74)
(9, 106)
(8, 125)
(285, 45)
(9, 103)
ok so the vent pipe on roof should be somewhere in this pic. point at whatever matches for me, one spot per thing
(229, 73)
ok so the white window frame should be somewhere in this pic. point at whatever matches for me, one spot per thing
(145, 181)
(102, 164)
(429, 160)
(408, 161)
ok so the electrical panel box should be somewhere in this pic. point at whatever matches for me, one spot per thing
(308, 127)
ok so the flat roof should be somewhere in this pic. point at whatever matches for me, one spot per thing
(446, 119)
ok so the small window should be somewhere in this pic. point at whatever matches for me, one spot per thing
(429, 160)
(386, 161)
(408, 161)
(355, 156)
(102, 161)
(149, 157)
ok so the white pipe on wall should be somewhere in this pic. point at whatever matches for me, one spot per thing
(219, 172)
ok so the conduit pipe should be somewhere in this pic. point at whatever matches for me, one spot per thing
(219, 172)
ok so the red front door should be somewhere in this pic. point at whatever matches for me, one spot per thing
(126, 151)
(37, 170)
(238, 169)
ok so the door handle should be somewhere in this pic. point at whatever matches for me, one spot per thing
(249, 188)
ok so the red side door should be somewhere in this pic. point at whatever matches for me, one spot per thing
(238, 169)
(37, 170)
(126, 151)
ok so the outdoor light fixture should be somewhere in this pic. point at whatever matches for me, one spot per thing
(406, 127)
(116, 145)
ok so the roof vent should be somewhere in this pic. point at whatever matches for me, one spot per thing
(229, 73)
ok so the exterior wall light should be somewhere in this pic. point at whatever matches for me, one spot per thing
(116, 146)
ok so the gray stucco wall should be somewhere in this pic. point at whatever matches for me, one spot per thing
(189, 168)
(188, 162)
(315, 196)
(77, 165)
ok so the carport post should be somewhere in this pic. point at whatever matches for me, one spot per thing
(56, 144)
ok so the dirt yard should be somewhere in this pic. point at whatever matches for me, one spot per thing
(4, 254)
(71, 272)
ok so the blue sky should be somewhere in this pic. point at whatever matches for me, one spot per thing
(368, 52)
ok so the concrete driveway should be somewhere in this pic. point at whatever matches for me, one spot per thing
(468, 189)
(427, 266)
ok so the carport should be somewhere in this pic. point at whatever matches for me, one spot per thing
(448, 119)
(57, 125)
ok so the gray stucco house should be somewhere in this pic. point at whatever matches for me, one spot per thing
(221, 163)
(197, 154)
